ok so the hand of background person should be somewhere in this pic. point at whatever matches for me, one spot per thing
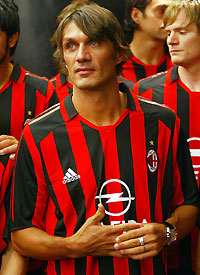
(130, 244)
(8, 145)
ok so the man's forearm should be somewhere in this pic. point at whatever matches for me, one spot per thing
(184, 219)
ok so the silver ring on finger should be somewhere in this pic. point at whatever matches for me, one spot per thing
(141, 240)
(145, 249)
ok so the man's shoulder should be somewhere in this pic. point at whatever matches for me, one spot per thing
(37, 82)
(45, 122)
(157, 111)
(153, 81)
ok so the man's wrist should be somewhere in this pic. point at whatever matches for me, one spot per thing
(171, 233)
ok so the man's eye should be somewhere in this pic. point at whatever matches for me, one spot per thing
(70, 46)
(94, 43)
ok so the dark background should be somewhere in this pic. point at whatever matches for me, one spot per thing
(37, 24)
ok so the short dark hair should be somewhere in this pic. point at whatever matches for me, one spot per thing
(129, 25)
(9, 20)
(97, 23)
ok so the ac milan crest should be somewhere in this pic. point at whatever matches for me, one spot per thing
(152, 161)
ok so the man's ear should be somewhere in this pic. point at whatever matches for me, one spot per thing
(121, 56)
(13, 40)
(136, 15)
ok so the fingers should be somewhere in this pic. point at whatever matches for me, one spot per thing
(8, 145)
(141, 243)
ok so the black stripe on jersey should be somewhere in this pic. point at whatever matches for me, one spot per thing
(105, 266)
(31, 197)
(127, 175)
(139, 70)
(57, 267)
(134, 267)
(30, 102)
(126, 165)
(38, 83)
(97, 158)
(5, 110)
(63, 79)
(71, 111)
(183, 102)
(152, 82)
(16, 73)
(185, 261)
(151, 135)
(162, 67)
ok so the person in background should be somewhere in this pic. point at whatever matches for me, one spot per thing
(148, 52)
(22, 97)
(99, 164)
(179, 88)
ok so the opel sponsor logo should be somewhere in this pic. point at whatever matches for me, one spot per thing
(108, 198)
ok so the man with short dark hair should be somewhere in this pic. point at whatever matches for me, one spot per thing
(148, 54)
(22, 97)
(96, 168)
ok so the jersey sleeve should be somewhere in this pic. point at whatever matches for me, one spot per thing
(29, 191)
(185, 191)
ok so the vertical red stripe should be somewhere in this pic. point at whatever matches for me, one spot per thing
(40, 103)
(108, 138)
(17, 110)
(138, 144)
(129, 71)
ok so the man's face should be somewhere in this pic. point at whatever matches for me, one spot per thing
(3, 46)
(152, 20)
(183, 41)
(91, 64)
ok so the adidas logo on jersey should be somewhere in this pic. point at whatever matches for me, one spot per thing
(70, 176)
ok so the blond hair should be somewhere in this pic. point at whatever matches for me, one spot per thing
(191, 7)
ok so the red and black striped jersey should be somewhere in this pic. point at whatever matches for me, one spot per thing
(6, 166)
(62, 85)
(167, 88)
(136, 168)
(134, 69)
(23, 97)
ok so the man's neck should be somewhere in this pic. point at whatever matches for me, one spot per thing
(149, 51)
(190, 76)
(101, 108)
(5, 72)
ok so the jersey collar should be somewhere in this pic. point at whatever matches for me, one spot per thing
(172, 74)
(69, 111)
(18, 74)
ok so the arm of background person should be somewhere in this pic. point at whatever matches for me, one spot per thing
(13, 263)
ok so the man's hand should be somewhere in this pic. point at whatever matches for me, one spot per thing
(94, 239)
(8, 145)
(142, 243)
